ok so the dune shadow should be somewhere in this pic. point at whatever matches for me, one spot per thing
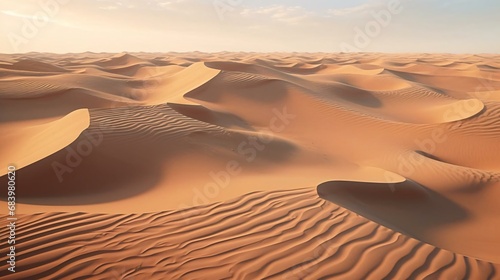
(406, 207)
(204, 114)
(358, 96)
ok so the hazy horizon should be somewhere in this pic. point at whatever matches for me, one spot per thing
(387, 26)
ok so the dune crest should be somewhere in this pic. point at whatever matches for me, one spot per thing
(34, 143)
(413, 210)
(173, 88)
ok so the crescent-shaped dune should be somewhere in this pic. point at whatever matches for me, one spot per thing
(405, 206)
(31, 144)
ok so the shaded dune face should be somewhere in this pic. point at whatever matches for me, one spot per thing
(406, 206)
(159, 134)
(349, 166)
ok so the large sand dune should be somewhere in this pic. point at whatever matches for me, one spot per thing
(247, 165)
(289, 234)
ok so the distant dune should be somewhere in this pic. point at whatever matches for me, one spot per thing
(249, 165)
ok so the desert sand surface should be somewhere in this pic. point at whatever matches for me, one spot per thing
(253, 165)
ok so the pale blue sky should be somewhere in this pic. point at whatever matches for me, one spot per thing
(456, 26)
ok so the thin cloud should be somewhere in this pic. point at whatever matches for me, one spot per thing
(35, 18)
(356, 10)
(286, 14)
(18, 15)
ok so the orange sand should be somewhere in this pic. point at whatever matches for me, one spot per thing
(253, 165)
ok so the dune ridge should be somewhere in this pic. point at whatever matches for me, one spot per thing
(37, 142)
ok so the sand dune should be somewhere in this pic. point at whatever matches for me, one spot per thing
(34, 143)
(34, 66)
(416, 211)
(285, 235)
(249, 165)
